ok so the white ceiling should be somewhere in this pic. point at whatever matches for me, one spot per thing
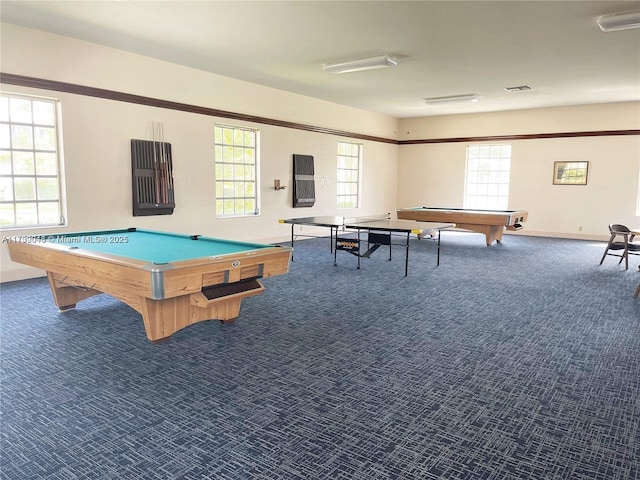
(443, 47)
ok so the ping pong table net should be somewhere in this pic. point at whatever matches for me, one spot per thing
(365, 219)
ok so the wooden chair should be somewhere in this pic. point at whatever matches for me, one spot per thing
(621, 239)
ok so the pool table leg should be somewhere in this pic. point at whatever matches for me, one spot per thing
(163, 318)
(494, 232)
(491, 232)
(67, 292)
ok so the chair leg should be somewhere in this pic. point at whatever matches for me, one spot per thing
(635, 295)
(626, 257)
(606, 250)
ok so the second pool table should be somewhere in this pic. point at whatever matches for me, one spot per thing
(172, 280)
(489, 222)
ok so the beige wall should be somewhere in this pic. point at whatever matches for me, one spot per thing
(97, 136)
(53, 57)
(579, 118)
(433, 174)
(97, 133)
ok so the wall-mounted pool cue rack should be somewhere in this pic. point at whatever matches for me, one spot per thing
(152, 176)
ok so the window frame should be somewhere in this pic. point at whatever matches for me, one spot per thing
(342, 154)
(56, 173)
(638, 202)
(487, 154)
(220, 150)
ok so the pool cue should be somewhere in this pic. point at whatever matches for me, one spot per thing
(167, 170)
(156, 166)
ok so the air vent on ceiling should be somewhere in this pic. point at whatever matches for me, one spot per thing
(519, 88)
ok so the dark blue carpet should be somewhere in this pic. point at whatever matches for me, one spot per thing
(516, 361)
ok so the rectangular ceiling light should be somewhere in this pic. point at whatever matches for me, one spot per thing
(382, 61)
(619, 21)
(452, 99)
(519, 88)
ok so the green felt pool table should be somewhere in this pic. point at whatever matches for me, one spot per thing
(172, 280)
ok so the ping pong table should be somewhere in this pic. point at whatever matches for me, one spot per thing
(379, 229)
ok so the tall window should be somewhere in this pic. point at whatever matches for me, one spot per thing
(638, 205)
(487, 181)
(236, 157)
(29, 162)
(348, 183)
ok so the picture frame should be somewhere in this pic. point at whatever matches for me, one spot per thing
(570, 173)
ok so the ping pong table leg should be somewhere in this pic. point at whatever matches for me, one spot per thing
(359, 247)
(406, 256)
(438, 255)
(292, 227)
(332, 236)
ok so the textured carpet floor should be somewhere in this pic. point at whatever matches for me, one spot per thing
(516, 361)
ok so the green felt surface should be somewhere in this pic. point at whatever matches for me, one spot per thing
(152, 246)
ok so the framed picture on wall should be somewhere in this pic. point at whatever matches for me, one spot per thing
(570, 173)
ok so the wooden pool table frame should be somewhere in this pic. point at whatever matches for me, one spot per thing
(489, 222)
(169, 296)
